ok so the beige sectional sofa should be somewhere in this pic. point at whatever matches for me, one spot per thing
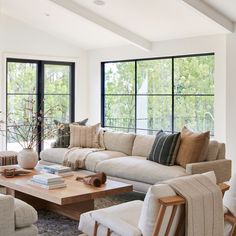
(124, 159)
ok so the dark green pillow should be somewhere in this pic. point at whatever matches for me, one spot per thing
(165, 148)
(63, 133)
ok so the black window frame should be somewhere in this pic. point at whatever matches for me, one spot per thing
(40, 87)
(172, 58)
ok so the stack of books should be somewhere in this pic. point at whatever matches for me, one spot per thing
(48, 181)
(63, 171)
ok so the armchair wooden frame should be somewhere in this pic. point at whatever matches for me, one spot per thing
(174, 202)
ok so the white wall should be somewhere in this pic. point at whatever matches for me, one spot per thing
(17, 39)
(231, 98)
(216, 44)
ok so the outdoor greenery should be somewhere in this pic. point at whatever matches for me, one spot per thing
(22, 93)
(192, 94)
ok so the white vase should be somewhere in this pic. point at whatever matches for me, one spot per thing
(27, 158)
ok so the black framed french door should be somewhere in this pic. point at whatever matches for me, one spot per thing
(48, 83)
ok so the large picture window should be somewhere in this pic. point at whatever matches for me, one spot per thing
(48, 83)
(147, 95)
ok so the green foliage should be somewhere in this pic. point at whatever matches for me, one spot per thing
(193, 96)
(21, 86)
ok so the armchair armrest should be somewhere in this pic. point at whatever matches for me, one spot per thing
(7, 222)
(222, 169)
(115, 224)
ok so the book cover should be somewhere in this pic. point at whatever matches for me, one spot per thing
(49, 187)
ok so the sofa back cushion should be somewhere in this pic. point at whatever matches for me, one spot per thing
(143, 145)
(119, 142)
(216, 151)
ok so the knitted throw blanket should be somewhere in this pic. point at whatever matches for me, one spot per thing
(75, 157)
(204, 206)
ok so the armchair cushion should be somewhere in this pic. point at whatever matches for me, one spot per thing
(127, 214)
(25, 215)
(151, 208)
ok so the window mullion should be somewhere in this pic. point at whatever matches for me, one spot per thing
(173, 96)
(135, 97)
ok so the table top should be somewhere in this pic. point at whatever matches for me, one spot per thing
(75, 191)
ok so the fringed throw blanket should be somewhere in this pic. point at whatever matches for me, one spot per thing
(204, 207)
(75, 157)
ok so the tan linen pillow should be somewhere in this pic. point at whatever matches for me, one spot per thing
(193, 147)
(84, 136)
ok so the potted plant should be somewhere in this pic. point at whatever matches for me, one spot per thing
(31, 129)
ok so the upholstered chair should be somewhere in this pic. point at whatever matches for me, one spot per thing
(17, 217)
(229, 201)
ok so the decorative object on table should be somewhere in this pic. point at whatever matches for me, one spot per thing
(63, 133)
(48, 181)
(8, 158)
(12, 172)
(60, 170)
(34, 127)
(95, 180)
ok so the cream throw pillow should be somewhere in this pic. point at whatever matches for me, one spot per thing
(84, 136)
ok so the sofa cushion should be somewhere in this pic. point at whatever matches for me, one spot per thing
(165, 148)
(95, 157)
(193, 147)
(142, 145)
(54, 155)
(120, 142)
(63, 133)
(84, 136)
(221, 153)
(127, 212)
(151, 207)
(139, 169)
(25, 215)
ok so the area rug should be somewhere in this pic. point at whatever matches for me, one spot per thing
(52, 224)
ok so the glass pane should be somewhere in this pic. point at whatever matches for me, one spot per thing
(154, 112)
(196, 112)
(56, 79)
(120, 78)
(20, 109)
(57, 107)
(21, 77)
(194, 75)
(14, 140)
(154, 76)
(120, 111)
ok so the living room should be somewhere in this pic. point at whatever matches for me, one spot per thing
(92, 39)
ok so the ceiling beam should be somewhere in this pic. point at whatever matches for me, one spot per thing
(98, 20)
(211, 13)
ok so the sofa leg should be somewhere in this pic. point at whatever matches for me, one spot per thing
(95, 230)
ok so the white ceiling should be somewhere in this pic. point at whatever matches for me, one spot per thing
(226, 7)
(153, 20)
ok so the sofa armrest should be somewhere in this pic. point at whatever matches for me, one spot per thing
(7, 222)
(222, 169)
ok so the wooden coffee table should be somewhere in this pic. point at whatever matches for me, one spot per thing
(70, 201)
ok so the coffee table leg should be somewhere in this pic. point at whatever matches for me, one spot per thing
(73, 211)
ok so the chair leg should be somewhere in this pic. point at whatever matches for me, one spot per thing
(108, 232)
(174, 209)
(181, 222)
(95, 230)
(159, 220)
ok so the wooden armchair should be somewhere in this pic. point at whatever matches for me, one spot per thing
(161, 213)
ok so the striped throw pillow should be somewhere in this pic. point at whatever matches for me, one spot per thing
(84, 136)
(165, 148)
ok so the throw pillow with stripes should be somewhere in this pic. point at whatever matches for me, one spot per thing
(165, 148)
